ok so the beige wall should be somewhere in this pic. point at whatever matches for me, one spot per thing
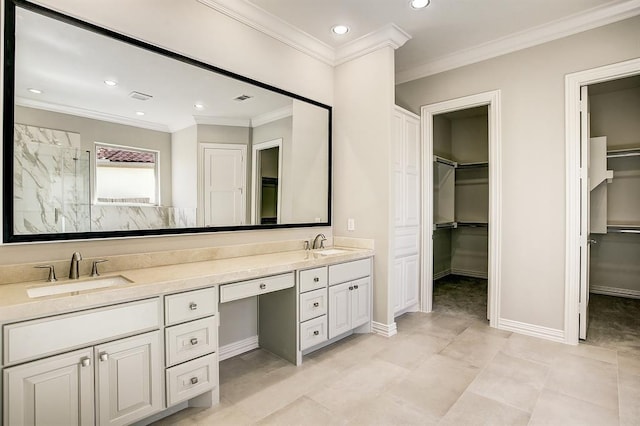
(362, 161)
(192, 29)
(533, 155)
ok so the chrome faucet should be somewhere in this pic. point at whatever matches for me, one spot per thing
(74, 268)
(322, 239)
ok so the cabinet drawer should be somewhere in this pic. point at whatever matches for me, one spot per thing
(313, 279)
(344, 272)
(191, 379)
(313, 304)
(313, 332)
(242, 289)
(191, 340)
(190, 305)
(33, 339)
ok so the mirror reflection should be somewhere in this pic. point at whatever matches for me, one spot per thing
(110, 136)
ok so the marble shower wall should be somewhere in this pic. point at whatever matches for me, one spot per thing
(52, 190)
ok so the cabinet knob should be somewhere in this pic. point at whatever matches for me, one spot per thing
(104, 356)
(316, 304)
(263, 286)
(85, 362)
(350, 287)
(315, 333)
(355, 286)
(194, 341)
(316, 279)
(194, 380)
(193, 306)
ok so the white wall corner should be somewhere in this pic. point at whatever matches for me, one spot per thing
(222, 121)
(270, 116)
(389, 35)
(269, 24)
(386, 330)
(583, 21)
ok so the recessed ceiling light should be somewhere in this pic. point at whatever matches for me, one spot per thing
(36, 91)
(139, 113)
(419, 4)
(198, 106)
(111, 83)
(340, 29)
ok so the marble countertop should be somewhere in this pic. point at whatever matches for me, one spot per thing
(16, 305)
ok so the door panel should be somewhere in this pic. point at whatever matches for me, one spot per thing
(361, 302)
(339, 309)
(224, 186)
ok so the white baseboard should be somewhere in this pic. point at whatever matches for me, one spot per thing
(531, 330)
(470, 273)
(237, 348)
(386, 330)
(614, 291)
(442, 274)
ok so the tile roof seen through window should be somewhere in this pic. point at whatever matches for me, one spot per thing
(124, 156)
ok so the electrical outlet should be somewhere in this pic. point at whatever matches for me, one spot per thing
(351, 224)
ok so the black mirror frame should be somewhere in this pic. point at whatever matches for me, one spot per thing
(8, 129)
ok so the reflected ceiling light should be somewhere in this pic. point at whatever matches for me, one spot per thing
(139, 113)
(419, 4)
(36, 91)
(198, 106)
(111, 83)
(340, 29)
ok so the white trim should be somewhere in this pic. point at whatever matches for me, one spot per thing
(614, 291)
(255, 210)
(442, 274)
(268, 117)
(386, 330)
(222, 121)
(470, 273)
(389, 35)
(493, 100)
(573, 82)
(583, 21)
(237, 348)
(532, 330)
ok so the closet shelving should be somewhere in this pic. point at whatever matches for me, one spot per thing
(625, 165)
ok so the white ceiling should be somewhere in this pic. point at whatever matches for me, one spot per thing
(447, 33)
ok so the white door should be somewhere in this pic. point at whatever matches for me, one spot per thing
(339, 309)
(411, 271)
(224, 185)
(129, 379)
(53, 391)
(585, 204)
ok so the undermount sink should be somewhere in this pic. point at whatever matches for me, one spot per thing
(90, 284)
(328, 252)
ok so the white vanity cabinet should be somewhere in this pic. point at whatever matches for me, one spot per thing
(191, 345)
(313, 303)
(100, 365)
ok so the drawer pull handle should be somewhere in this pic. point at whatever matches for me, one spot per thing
(85, 362)
(355, 286)
(194, 380)
(194, 341)
(351, 287)
(316, 304)
(263, 286)
(193, 306)
(315, 333)
(104, 356)
(316, 279)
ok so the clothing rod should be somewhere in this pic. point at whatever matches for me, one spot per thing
(619, 153)
(473, 165)
(473, 224)
(622, 229)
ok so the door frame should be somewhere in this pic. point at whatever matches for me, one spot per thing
(573, 238)
(255, 209)
(491, 99)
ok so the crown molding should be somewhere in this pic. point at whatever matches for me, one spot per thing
(270, 116)
(263, 21)
(95, 115)
(222, 121)
(554, 30)
(390, 35)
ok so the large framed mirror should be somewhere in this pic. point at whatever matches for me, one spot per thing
(108, 136)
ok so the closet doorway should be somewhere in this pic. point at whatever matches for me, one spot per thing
(603, 192)
(461, 190)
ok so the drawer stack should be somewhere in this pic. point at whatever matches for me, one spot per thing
(191, 344)
(313, 307)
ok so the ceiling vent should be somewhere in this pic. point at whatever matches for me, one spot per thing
(140, 96)
(242, 98)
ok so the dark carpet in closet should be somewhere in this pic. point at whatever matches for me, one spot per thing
(455, 294)
(614, 322)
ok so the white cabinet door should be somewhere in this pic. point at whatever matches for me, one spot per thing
(411, 171)
(360, 302)
(339, 309)
(398, 285)
(411, 275)
(129, 379)
(54, 391)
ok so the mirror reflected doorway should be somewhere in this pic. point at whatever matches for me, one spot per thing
(267, 181)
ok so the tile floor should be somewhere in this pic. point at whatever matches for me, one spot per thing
(447, 367)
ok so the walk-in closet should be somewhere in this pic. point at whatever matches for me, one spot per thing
(461, 211)
(614, 213)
